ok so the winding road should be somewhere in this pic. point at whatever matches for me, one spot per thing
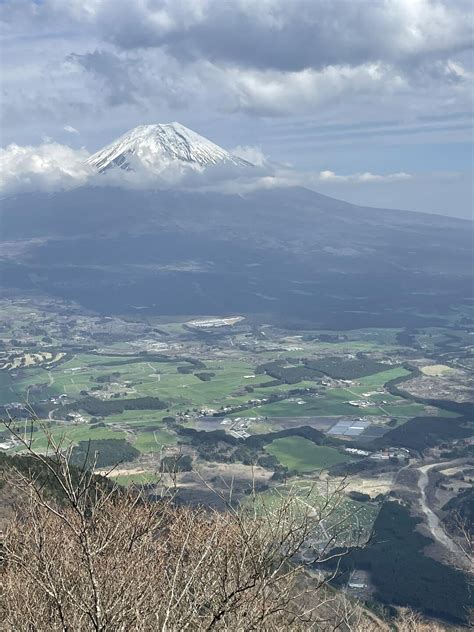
(434, 523)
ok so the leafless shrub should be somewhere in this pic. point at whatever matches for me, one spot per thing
(105, 559)
(409, 621)
(465, 536)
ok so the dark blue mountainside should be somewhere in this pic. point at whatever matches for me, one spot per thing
(291, 254)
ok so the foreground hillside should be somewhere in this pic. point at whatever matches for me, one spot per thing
(129, 564)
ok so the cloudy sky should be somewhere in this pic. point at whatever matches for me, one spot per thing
(366, 100)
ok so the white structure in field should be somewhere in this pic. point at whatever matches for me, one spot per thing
(215, 322)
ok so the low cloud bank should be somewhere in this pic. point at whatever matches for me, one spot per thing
(55, 167)
(46, 167)
(366, 177)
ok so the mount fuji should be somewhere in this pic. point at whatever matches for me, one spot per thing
(288, 253)
(155, 146)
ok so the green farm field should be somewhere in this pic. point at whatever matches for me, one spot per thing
(333, 403)
(182, 391)
(147, 378)
(153, 440)
(233, 384)
(71, 434)
(302, 455)
(139, 377)
(142, 439)
(16, 388)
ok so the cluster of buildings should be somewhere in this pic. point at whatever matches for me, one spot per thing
(238, 426)
(361, 403)
(113, 390)
(76, 418)
(390, 453)
(359, 580)
(212, 323)
(356, 451)
(58, 399)
(332, 382)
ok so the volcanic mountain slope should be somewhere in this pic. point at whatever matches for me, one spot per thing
(162, 143)
(289, 253)
(286, 252)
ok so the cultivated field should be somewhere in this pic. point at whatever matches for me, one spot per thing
(301, 455)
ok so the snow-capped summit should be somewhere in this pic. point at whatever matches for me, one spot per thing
(162, 143)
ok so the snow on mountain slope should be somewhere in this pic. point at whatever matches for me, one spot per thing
(162, 144)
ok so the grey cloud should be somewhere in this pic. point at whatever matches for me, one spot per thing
(272, 34)
(263, 57)
(114, 73)
(269, 34)
(293, 36)
(138, 77)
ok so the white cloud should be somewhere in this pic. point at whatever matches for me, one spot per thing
(52, 167)
(70, 129)
(279, 93)
(251, 153)
(285, 177)
(362, 178)
(148, 172)
(46, 167)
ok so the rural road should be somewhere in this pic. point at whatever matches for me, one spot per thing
(155, 374)
(434, 523)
